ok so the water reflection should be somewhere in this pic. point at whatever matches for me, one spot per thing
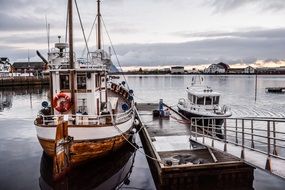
(106, 173)
(6, 99)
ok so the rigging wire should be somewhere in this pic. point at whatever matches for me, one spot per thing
(114, 50)
(82, 28)
(89, 35)
(136, 148)
(66, 24)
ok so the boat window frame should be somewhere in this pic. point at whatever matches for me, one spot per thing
(194, 99)
(209, 98)
(190, 97)
(97, 81)
(200, 99)
(82, 76)
(62, 84)
(216, 100)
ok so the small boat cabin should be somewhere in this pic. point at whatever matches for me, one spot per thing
(203, 96)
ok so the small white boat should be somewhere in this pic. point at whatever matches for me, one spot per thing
(202, 101)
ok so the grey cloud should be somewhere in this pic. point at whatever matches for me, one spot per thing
(264, 5)
(15, 39)
(15, 53)
(31, 38)
(230, 50)
(10, 22)
(263, 33)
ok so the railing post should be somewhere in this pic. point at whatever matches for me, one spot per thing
(225, 135)
(196, 131)
(203, 131)
(252, 142)
(236, 131)
(212, 120)
(274, 140)
(191, 121)
(242, 150)
(268, 161)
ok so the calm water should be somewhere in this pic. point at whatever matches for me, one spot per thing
(24, 166)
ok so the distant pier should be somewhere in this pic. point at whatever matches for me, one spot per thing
(23, 81)
(275, 89)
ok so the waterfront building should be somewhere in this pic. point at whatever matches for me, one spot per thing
(28, 68)
(249, 70)
(217, 68)
(5, 67)
(177, 70)
(236, 70)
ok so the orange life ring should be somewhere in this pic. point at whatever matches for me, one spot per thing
(61, 102)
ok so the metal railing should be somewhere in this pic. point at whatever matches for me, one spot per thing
(51, 120)
(264, 135)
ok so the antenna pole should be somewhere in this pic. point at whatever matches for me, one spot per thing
(70, 38)
(48, 33)
(71, 61)
(99, 25)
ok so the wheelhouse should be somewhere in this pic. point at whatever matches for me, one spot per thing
(207, 98)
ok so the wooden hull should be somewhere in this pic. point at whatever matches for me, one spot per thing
(104, 173)
(82, 151)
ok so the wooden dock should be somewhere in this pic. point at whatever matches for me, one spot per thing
(180, 163)
(23, 81)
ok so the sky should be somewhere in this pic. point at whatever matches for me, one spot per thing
(154, 32)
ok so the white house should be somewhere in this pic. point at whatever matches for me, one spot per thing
(249, 70)
(217, 68)
(4, 67)
(177, 70)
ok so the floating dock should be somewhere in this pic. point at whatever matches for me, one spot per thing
(177, 162)
(275, 89)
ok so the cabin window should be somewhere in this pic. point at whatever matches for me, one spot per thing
(194, 99)
(97, 81)
(64, 82)
(190, 97)
(81, 82)
(200, 100)
(216, 100)
(208, 101)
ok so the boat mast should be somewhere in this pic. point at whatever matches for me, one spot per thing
(71, 61)
(99, 25)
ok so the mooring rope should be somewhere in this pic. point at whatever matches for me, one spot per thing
(122, 134)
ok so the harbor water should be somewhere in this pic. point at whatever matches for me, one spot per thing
(24, 166)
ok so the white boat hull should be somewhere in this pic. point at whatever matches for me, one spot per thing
(86, 133)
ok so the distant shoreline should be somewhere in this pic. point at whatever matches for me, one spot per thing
(134, 73)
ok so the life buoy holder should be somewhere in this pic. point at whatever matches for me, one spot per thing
(61, 102)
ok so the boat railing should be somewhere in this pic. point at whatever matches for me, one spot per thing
(89, 65)
(80, 119)
(214, 108)
(263, 135)
(61, 65)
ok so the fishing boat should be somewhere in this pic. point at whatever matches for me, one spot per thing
(203, 102)
(88, 115)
